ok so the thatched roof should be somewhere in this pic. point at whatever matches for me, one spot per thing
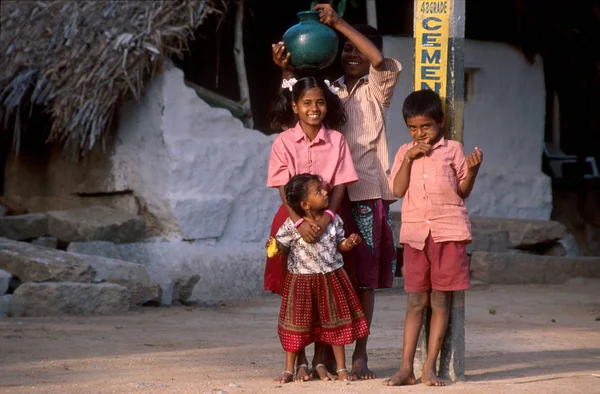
(80, 59)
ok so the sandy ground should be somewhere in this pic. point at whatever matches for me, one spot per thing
(542, 339)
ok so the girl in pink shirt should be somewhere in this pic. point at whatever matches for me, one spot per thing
(312, 146)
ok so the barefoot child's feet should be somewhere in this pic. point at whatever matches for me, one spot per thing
(404, 377)
(361, 370)
(429, 378)
(322, 372)
(286, 377)
(344, 375)
(302, 373)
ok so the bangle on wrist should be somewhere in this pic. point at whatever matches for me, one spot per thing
(408, 159)
(299, 222)
(330, 212)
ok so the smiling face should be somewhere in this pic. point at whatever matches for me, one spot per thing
(311, 107)
(317, 198)
(424, 129)
(355, 64)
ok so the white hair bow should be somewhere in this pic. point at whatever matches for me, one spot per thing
(289, 83)
(332, 88)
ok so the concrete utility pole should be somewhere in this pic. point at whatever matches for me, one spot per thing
(439, 30)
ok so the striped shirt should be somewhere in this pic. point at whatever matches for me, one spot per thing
(431, 203)
(367, 105)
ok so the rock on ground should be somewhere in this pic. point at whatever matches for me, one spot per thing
(95, 248)
(5, 278)
(524, 268)
(31, 263)
(24, 227)
(70, 298)
(130, 275)
(96, 223)
(6, 305)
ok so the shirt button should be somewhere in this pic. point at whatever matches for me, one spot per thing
(428, 222)
(424, 175)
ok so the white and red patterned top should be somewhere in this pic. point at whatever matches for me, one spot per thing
(317, 258)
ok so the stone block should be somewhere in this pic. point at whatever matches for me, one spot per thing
(5, 278)
(226, 270)
(489, 241)
(46, 242)
(31, 263)
(183, 287)
(95, 248)
(70, 298)
(24, 227)
(524, 268)
(523, 233)
(130, 275)
(98, 223)
(6, 305)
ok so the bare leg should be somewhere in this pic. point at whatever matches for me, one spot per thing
(318, 362)
(340, 360)
(360, 358)
(288, 375)
(440, 303)
(302, 371)
(416, 303)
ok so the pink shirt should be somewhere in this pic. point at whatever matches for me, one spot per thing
(327, 156)
(431, 203)
(366, 106)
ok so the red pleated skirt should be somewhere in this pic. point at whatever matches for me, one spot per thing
(320, 308)
(276, 267)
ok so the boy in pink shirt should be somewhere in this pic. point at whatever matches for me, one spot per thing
(433, 176)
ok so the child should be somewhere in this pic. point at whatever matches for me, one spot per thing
(319, 303)
(434, 177)
(311, 146)
(366, 90)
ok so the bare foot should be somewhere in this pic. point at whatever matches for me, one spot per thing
(429, 378)
(302, 373)
(286, 377)
(344, 375)
(404, 377)
(361, 370)
(322, 372)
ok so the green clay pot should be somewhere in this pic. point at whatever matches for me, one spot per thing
(312, 45)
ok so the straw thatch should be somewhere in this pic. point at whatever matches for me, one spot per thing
(80, 59)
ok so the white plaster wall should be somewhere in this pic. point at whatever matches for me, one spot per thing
(505, 118)
(201, 176)
(196, 169)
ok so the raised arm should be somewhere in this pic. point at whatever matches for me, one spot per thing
(329, 17)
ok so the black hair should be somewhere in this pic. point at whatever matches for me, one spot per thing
(282, 115)
(423, 103)
(296, 191)
(372, 34)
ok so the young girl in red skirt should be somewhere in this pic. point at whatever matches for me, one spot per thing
(311, 146)
(319, 303)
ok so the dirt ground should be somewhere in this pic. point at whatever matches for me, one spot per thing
(542, 339)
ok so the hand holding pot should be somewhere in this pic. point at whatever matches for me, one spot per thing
(327, 14)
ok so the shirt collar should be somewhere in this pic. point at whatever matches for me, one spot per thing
(341, 81)
(322, 135)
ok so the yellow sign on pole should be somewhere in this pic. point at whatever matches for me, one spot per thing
(431, 46)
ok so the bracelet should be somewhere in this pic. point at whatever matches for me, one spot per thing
(299, 222)
(330, 212)
(407, 158)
